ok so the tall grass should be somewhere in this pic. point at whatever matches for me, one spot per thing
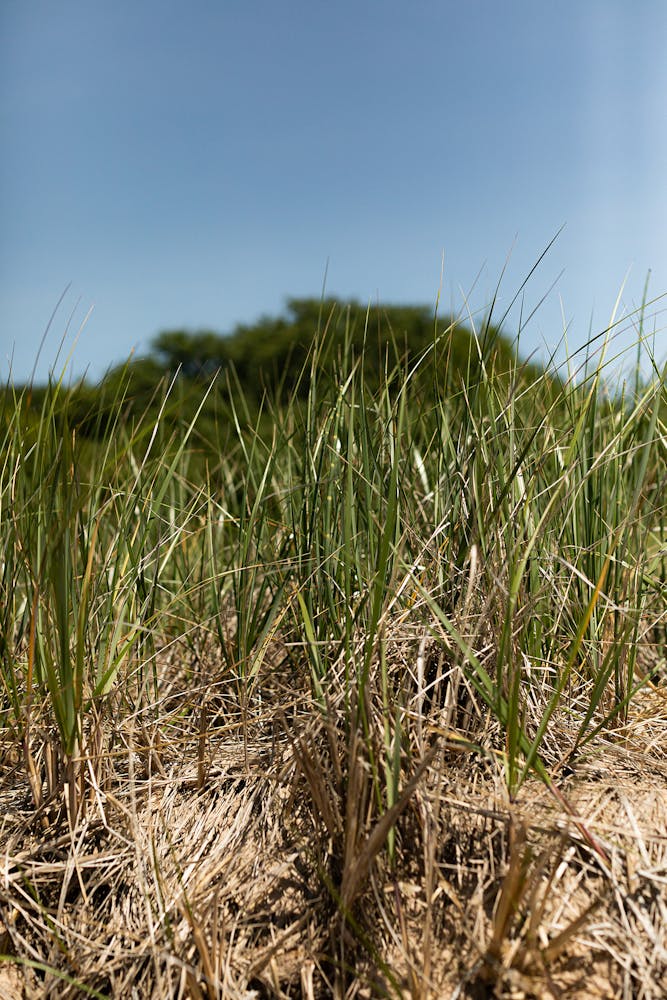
(88, 534)
(454, 563)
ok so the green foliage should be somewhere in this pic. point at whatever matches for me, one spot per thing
(380, 496)
(271, 353)
(195, 355)
(269, 360)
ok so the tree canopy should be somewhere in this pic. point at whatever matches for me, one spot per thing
(270, 355)
(271, 359)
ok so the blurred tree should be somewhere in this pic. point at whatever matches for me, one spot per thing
(197, 355)
(272, 355)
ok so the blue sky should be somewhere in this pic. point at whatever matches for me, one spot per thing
(193, 164)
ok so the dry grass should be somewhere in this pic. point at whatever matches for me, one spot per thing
(370, 705)
(247, 863)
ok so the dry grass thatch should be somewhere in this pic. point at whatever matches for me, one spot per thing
(247, 857)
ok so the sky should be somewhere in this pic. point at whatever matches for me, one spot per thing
(170, 165)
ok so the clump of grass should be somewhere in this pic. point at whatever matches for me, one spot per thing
(367, 594)
(87, 534)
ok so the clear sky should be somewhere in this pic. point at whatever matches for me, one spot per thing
(194, 164)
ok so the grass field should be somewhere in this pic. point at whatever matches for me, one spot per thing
(370, 705)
